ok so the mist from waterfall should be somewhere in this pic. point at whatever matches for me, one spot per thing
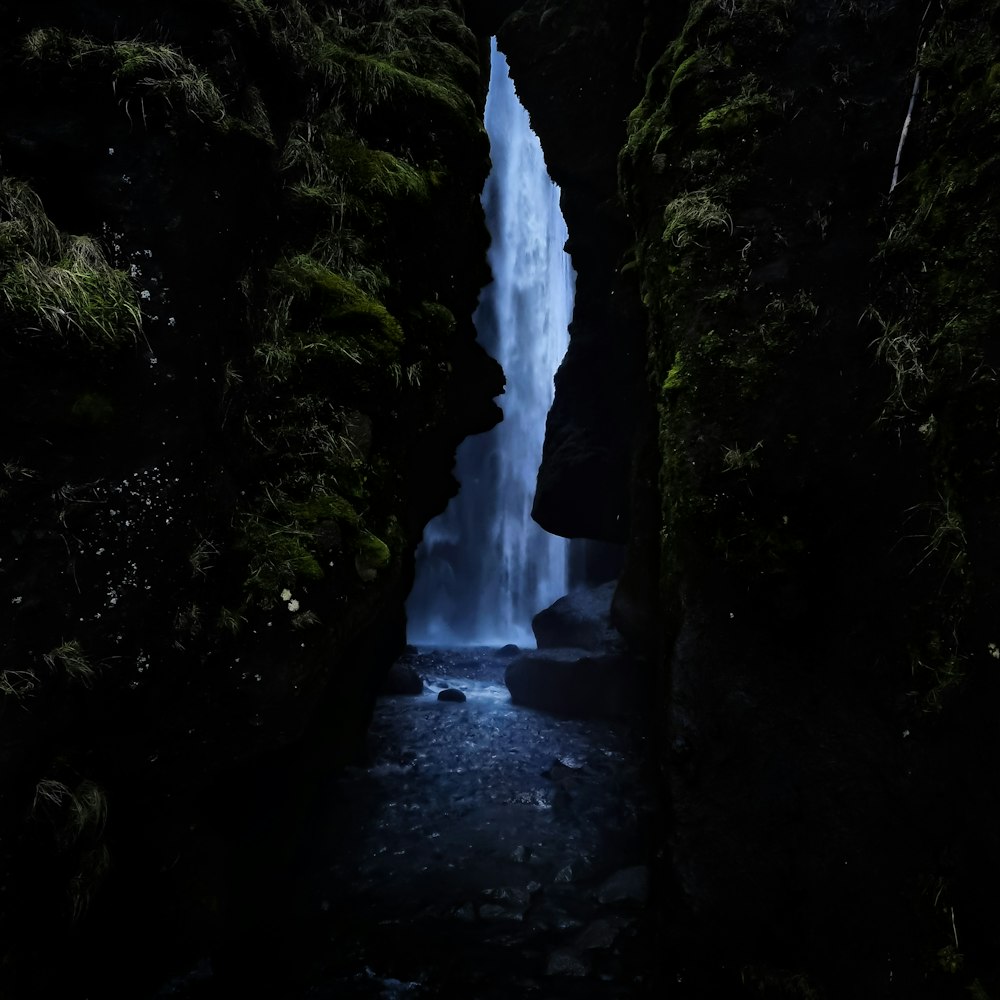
(484, 567)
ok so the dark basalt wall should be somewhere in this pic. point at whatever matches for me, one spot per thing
(812, 536)
(240, 245)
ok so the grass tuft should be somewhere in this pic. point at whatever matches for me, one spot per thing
(70, 658)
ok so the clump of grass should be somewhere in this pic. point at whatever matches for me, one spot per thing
(24, 225)
(231, 621)
(202, 557)
(88, 811)
(691, 214)
(369, 82)
(79, 292)
(49, 792)
(70, 659)
(741, 458)
(56, 283)
(78, 812)
(161, 70)
(901, 348)
(14, 471)
(18, 684)
(92, 869)
(303, 619)
(946, 541)
(279, 556)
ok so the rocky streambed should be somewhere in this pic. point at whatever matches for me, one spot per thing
(481, 849)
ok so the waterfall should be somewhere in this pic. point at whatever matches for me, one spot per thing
(484, 567)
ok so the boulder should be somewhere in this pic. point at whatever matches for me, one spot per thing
(451, 694)
(574, 682)
(580, 620)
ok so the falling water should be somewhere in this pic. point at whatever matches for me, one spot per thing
(484, 567)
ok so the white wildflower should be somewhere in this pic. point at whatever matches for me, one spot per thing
(286, 594)
(293, 605)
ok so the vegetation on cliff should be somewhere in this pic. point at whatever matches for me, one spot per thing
(239, 247)
(822, 350)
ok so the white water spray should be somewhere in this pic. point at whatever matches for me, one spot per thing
(484, 567)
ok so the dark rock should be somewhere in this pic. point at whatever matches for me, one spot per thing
(492, 911)
(561, 770)
(511, 649)
(574, 682)
(567, 962)
(598, 934)
(581, 620)
(513, 896)
(451, 694)
(402, 678)
(630, 885)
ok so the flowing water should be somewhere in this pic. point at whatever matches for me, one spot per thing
(484, 567)
(481, 850)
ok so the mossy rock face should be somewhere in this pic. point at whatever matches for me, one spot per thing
(240, 248)
(821, 355)
(372, 555)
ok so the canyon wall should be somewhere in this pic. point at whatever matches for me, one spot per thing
(809, 193)
(240, 246)
(240, 243)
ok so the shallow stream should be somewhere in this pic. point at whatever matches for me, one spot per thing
(482, 850)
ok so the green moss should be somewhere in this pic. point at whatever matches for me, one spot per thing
(278, 556)
(330, 321)
(676, 376)
(741, 114)
(93, 408)
(323, 507)
(372, 555)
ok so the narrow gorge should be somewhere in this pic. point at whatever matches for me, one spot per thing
(242, 244)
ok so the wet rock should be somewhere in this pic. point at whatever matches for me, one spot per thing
(451, 694)
(562, 769)
(402, 678)
(598, 934)
(630, 885)
(574, 682)
(511, 895)
(520, 854)
(580, 620)
(492, 911)
(466, 912)
(565, 874)
(554, 918)
(506, 652)
(567, 962)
